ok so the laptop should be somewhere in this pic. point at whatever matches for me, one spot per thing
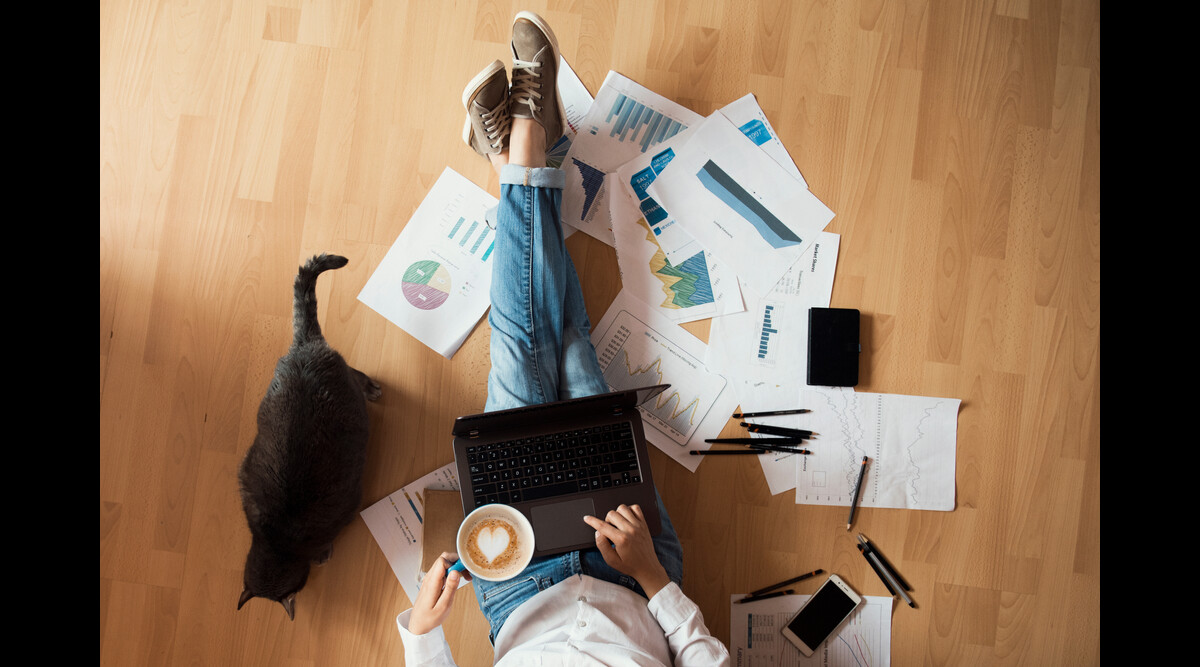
(556, 462)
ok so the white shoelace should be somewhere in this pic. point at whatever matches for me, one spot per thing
(495, 125)
(526, 77)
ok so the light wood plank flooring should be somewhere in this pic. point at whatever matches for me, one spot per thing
(958, 143)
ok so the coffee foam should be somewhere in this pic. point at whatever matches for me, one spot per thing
(486, 537)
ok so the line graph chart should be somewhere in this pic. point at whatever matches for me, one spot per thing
(632, 354)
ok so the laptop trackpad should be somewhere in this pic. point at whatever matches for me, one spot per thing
(562, 525)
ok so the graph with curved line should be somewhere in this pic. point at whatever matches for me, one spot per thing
(632, 354)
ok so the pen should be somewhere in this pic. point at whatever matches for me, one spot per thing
(887, 573)
(785, 583)
(757, 441)
(777, 430)
(756, 598)
(862, 471)
(886, 563)
(772, 413)
(704, 452)
(777, 448)
(875, 567)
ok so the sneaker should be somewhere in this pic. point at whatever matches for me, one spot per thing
(486, 100)
(534, 91)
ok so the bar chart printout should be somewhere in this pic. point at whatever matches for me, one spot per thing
(625, 120)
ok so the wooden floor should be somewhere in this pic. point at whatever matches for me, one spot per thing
(958, 143)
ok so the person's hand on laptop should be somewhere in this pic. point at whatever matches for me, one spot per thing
(436, 595)
(624, 541)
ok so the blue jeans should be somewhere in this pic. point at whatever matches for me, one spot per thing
(542, 352)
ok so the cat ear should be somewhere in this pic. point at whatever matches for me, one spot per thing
(289, 605)
(245, 597)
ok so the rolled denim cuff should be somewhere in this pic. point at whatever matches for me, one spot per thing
(537, 177)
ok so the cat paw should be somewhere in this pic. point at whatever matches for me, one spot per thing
(372, 390)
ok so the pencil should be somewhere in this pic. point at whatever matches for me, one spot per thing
(777, 448)
(704, 452)
(771, 413)
(757, 441)
(777, 430)
(862, 472)
(756, 598)
(785, 583)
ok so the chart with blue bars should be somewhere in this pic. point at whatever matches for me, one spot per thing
(633, 121)
(764, 341)
(471, 237)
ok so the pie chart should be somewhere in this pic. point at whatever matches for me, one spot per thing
(426, 284)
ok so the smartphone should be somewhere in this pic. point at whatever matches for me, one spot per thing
(824, 612)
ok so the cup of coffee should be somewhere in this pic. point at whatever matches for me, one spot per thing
(495, 542)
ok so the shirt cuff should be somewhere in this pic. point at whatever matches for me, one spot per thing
(427, 649)
(671, 608)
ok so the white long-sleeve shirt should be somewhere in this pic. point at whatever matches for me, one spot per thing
(586, 621)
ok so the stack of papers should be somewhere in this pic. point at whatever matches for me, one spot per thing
(711, 219)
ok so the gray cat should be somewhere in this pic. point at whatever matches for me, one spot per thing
(301, 480)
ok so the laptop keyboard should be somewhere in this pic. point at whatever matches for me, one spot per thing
(556, 464)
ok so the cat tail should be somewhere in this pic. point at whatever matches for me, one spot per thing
(304, 324)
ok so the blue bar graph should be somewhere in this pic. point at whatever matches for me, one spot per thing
(765, 337)
(633, 121)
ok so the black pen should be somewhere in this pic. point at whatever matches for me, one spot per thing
(704, 452)
(777, 430)
(768, 596)
(886, 563)
(772, 413)
(862, 472)
(875, 567)
(887, 574)
(785, 583)
(777, 448)
(756, 441)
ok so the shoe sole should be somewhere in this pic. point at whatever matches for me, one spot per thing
(470, 91)
(545, 28)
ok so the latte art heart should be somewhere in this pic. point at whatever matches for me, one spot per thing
(492, 542)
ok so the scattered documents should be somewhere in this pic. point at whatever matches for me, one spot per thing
(768, 342)
(625, 120)
(739, 203)
(396, 524)
(639, 348)
(911, 441)
(697, 288)
(864, 640)
(436, 279)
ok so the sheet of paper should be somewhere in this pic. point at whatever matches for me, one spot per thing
(637, 347)
(768, 342)
(637, 174)
(752, 122)
(865, 640)
(395, 523)
(435, 281)
(576, 101)
(911, 442)
(697, 288)
(737, 202)
(624, 121)
(779, 469)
